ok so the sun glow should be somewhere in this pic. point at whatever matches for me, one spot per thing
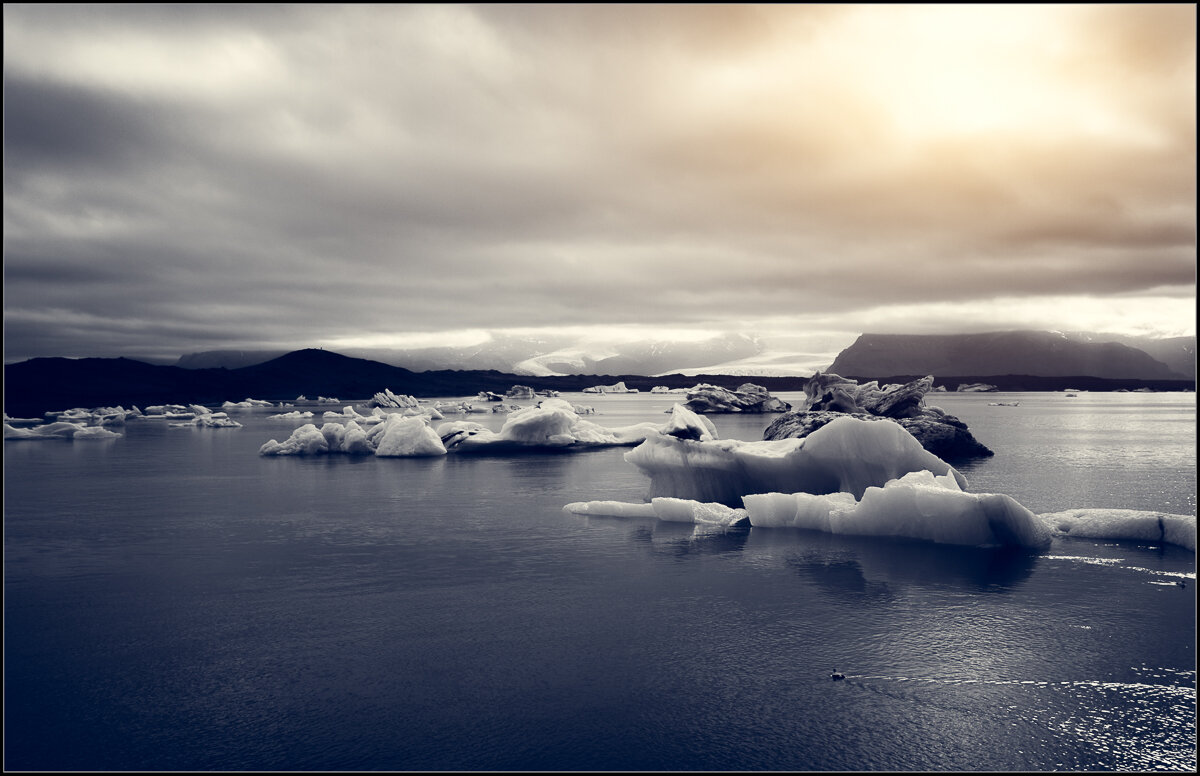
(930, 72)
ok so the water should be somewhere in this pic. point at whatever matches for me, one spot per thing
(173, 601)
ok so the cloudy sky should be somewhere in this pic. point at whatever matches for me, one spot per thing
(183, 178)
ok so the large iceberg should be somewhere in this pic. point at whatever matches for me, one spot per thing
(847, 455)
(918, 505)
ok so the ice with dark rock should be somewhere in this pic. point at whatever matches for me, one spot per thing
(831, 396)
(706, 398)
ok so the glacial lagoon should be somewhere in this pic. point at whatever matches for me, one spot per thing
(176, 601)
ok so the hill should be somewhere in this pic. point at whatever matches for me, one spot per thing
(1033, 353)
(40, 385)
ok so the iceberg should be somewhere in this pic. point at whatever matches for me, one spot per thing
(830, 396)
(747, 398)
(97, 416)
(59, 429)
(405, 437)
(205, 418)
(386, 398)
(672, 510)
(396, 436)
(553, 424)
(293, 415)
(247, 404)
(618, 387)
(1124, 524)
(10, 421)
(847, 455)
(918, 505)
(519, 392)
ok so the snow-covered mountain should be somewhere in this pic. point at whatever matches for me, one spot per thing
(732, 353)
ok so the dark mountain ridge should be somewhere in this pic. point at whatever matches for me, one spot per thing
(1040, 353)
(40, 385)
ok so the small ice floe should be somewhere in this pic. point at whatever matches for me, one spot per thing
(59, 429)
(247, 404)
(671, 510)
(1124, 525)
(205, 418)
(294, 415)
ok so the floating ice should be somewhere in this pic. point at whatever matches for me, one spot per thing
(306, 440)
(293, 415)
(395, 436)
(847, 455)
(10, 421)
(97, 416)
(553, 424)
(59, 429)
(386, 398)
(406, 437)
(610, 508)
(918, 505)
(679, 510)
(614, 388)
(1124, 524)
(208, 419)
(247, 404)
(673, 510)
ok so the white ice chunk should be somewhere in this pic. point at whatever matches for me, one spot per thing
(686, 424)
(610, 508)
(918, 505)
(95, 432)
(408, 437)
(1125, 524)
(552, 424)
(294, 415)
(59, 429)
(247, 404)
(673, 510)
(679, 510)
(847, 455)
(306, 440)
(797, 510)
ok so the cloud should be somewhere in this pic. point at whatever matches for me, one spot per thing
(230, 176)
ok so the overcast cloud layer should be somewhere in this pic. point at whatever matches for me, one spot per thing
(182, 178)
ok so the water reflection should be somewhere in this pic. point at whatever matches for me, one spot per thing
(866, 565)
(678, 540)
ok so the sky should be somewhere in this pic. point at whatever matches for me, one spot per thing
(194, 177)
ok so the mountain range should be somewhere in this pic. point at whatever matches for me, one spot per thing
(732, 353)
(1014, 361)
(1034, 353)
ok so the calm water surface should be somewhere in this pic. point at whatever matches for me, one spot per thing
(174, 601)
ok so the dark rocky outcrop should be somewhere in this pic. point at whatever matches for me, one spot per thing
(831, 396)
(705, 398)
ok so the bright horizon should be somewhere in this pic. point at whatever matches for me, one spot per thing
(206, 177)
